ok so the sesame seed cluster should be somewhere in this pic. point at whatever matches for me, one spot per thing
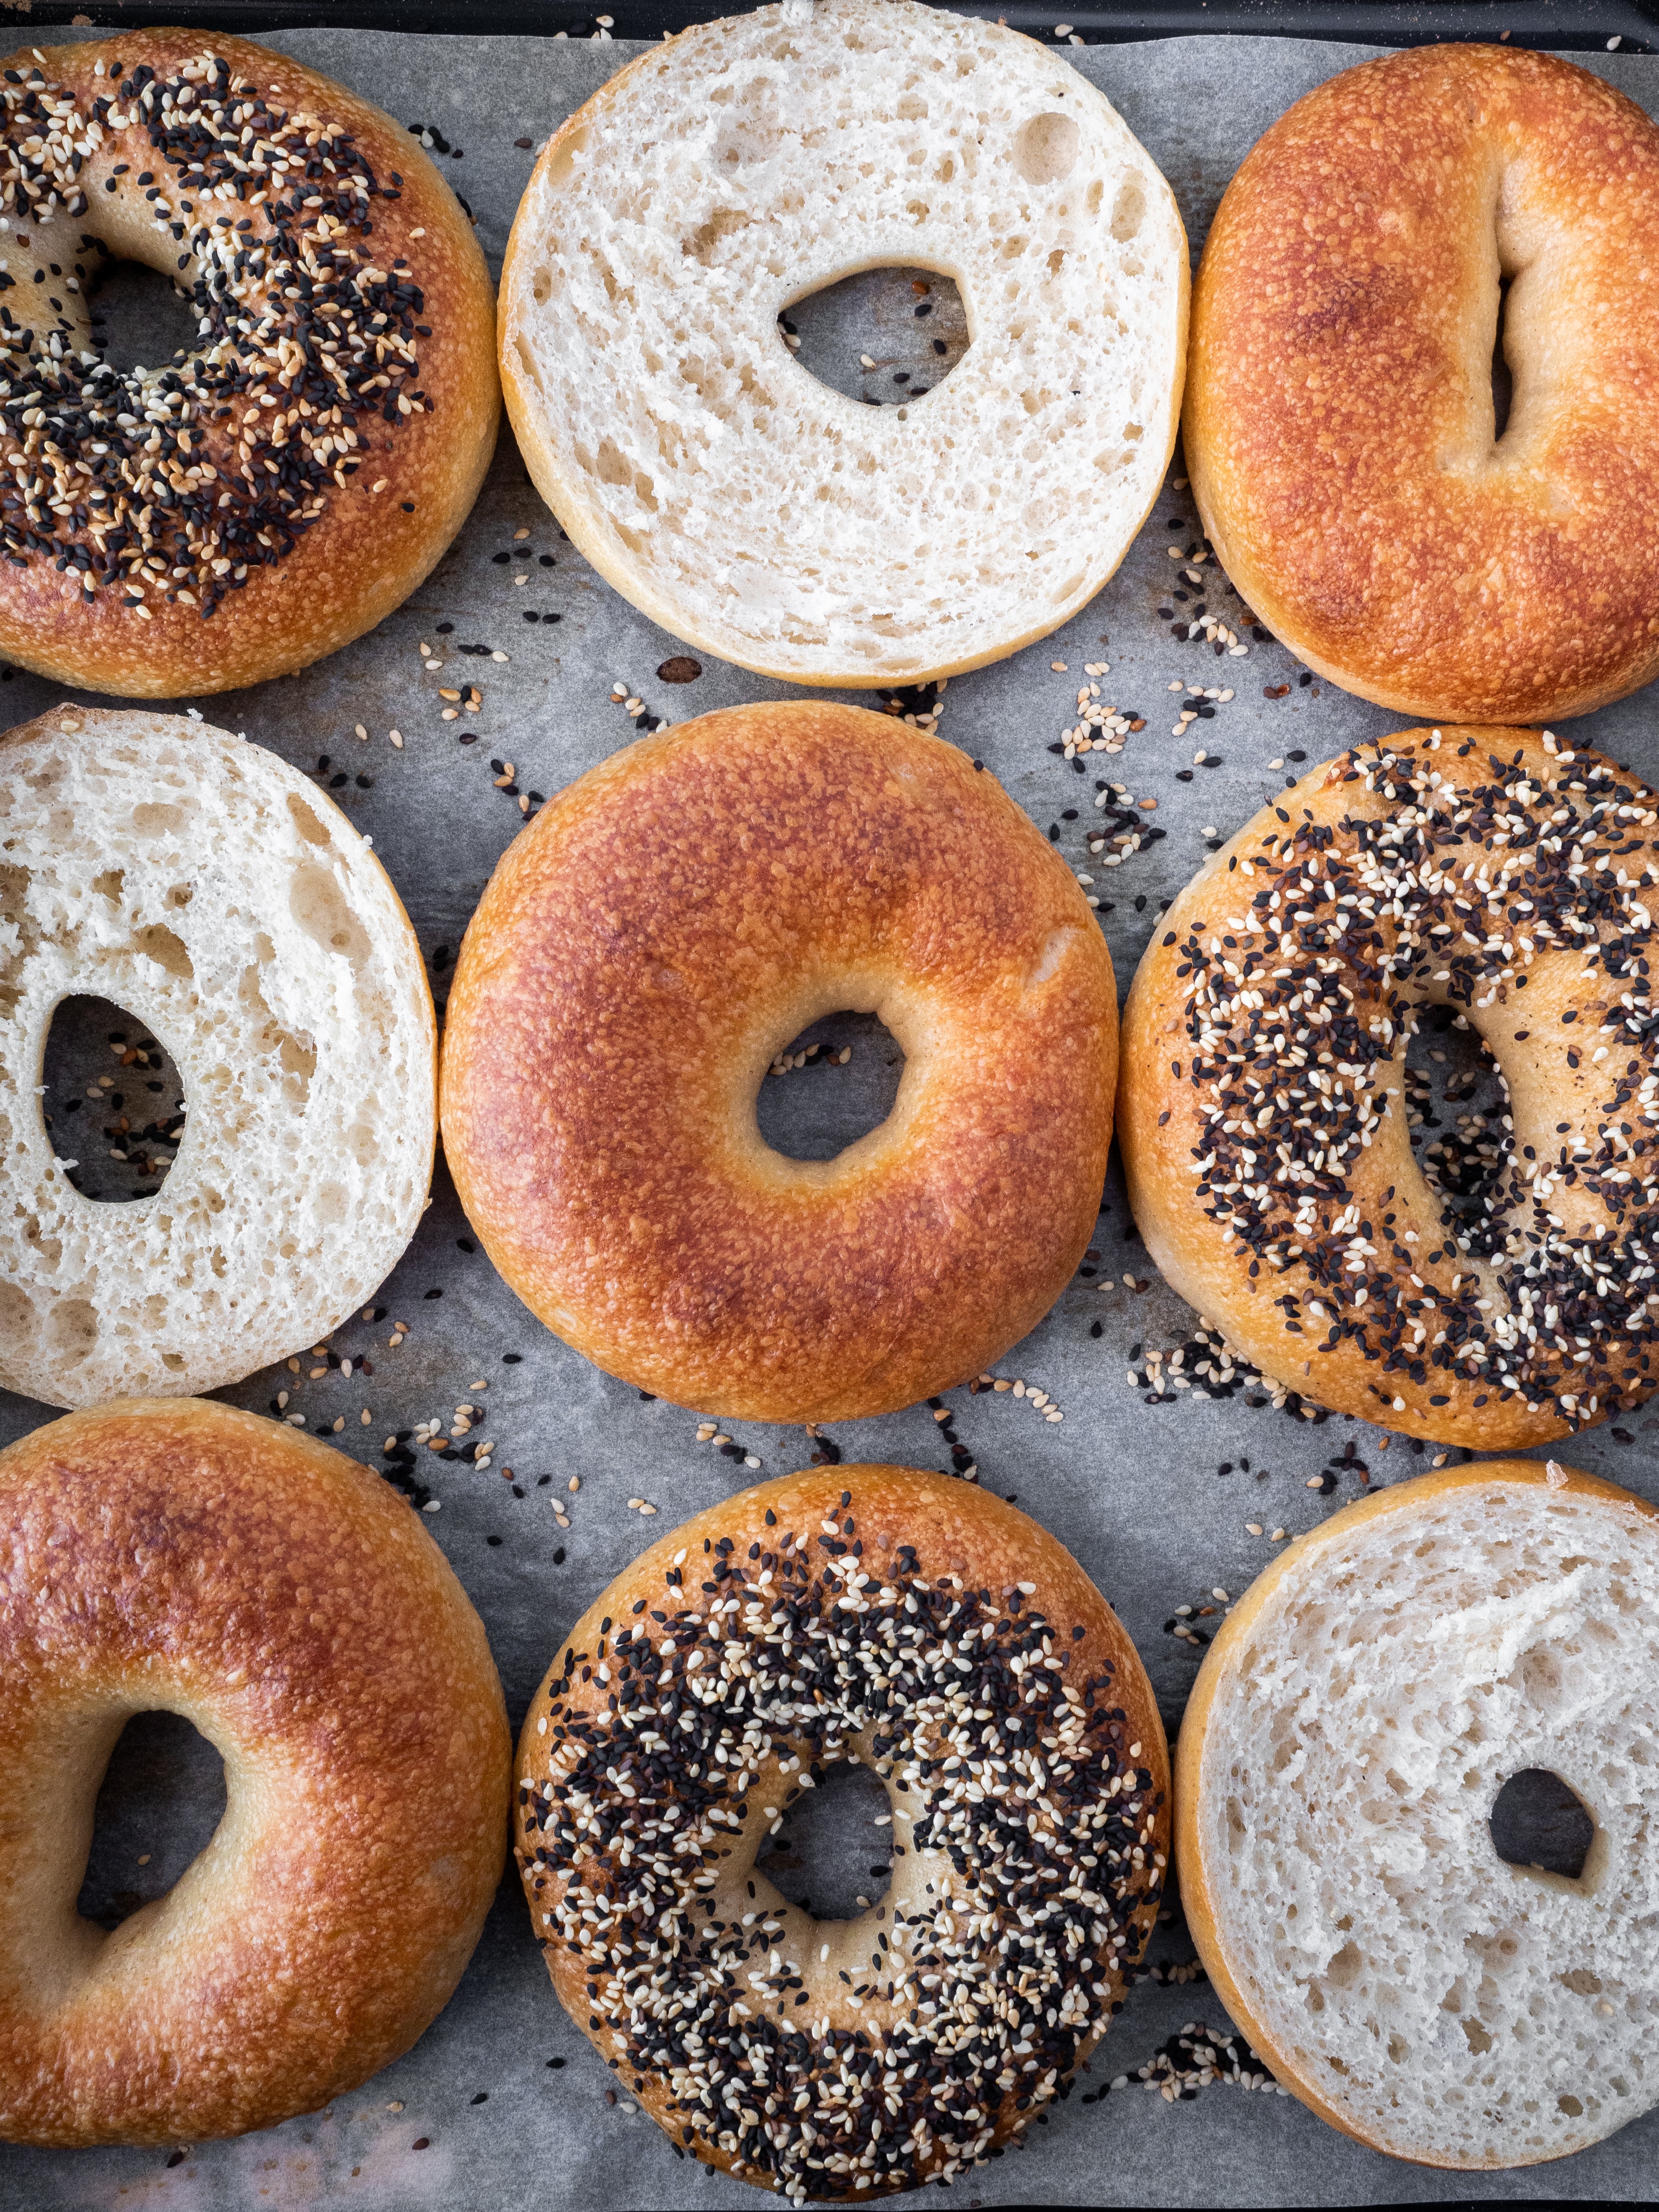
(1197, 2058)
(179, 484)
(1299, 1001)
(1006, 1949)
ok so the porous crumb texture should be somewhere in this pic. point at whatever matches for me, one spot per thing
(738, 502)
(1266, 1137)
(1405, 1663)
(340, 307)
(928, 1631)
(208, 888)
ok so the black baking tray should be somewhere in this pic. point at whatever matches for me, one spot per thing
(1581, 25)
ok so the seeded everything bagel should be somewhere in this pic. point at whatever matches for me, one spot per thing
(749, 163)
(1268, 1156)
(227, 902)
(920, 1626)
(1341, 1759)
(644, 950)
(1340, 427)
(263, 499)
(176, 1556)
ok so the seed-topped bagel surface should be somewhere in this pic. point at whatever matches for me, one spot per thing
(1511, 880)
(265, 496)
(916, 1625)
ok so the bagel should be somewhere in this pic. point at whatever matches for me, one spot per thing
(664, 929)
(1269, 1163)
(260, 500)
(1350, 1729)
(174, 1556)
(1341, 430)
(225, 902)
(743, 506)
(920, 1626)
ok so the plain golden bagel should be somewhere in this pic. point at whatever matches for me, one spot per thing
(259, 501)
(817, 535)
(668, 924)
(1349, 1735)
(1261, 1110)
(176, 1555)
(1341, 427)
(918, 1625)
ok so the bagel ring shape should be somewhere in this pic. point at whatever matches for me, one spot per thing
(761, 515)
(1269, 1162)
(646, 949)
(939, 1638)
(176, 1556)
(1351, 1729)
(1339, 427)
(224, 900)
(276, 487)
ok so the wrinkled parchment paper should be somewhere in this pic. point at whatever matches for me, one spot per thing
(1133, 1491)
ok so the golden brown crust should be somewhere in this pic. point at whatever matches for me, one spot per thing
(669, 924)
(1339, 418)
(178, 1554)
(954, 1530)
(1571, 1059)
(370, 548)
(1199, 1895)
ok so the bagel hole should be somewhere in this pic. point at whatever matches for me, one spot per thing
(814, 1109)
(140, 319)
(1539, 1822)
(1503, 383)
(1455, 1099)
(822, 1854)
(910, 323)
(161, 1798)
(105, 1068)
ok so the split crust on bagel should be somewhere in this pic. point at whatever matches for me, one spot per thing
(759, 514)
(1339, 416)
(239, 512)
(179, 1556)
(1261, 1108)
(667, 926)
(922, 1627)
(1346, 1738)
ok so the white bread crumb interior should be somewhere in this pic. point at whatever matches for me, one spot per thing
(1449, 2007)
(226, 902)
(742, 504)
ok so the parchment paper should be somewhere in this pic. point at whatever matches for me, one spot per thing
(1133, 1491)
